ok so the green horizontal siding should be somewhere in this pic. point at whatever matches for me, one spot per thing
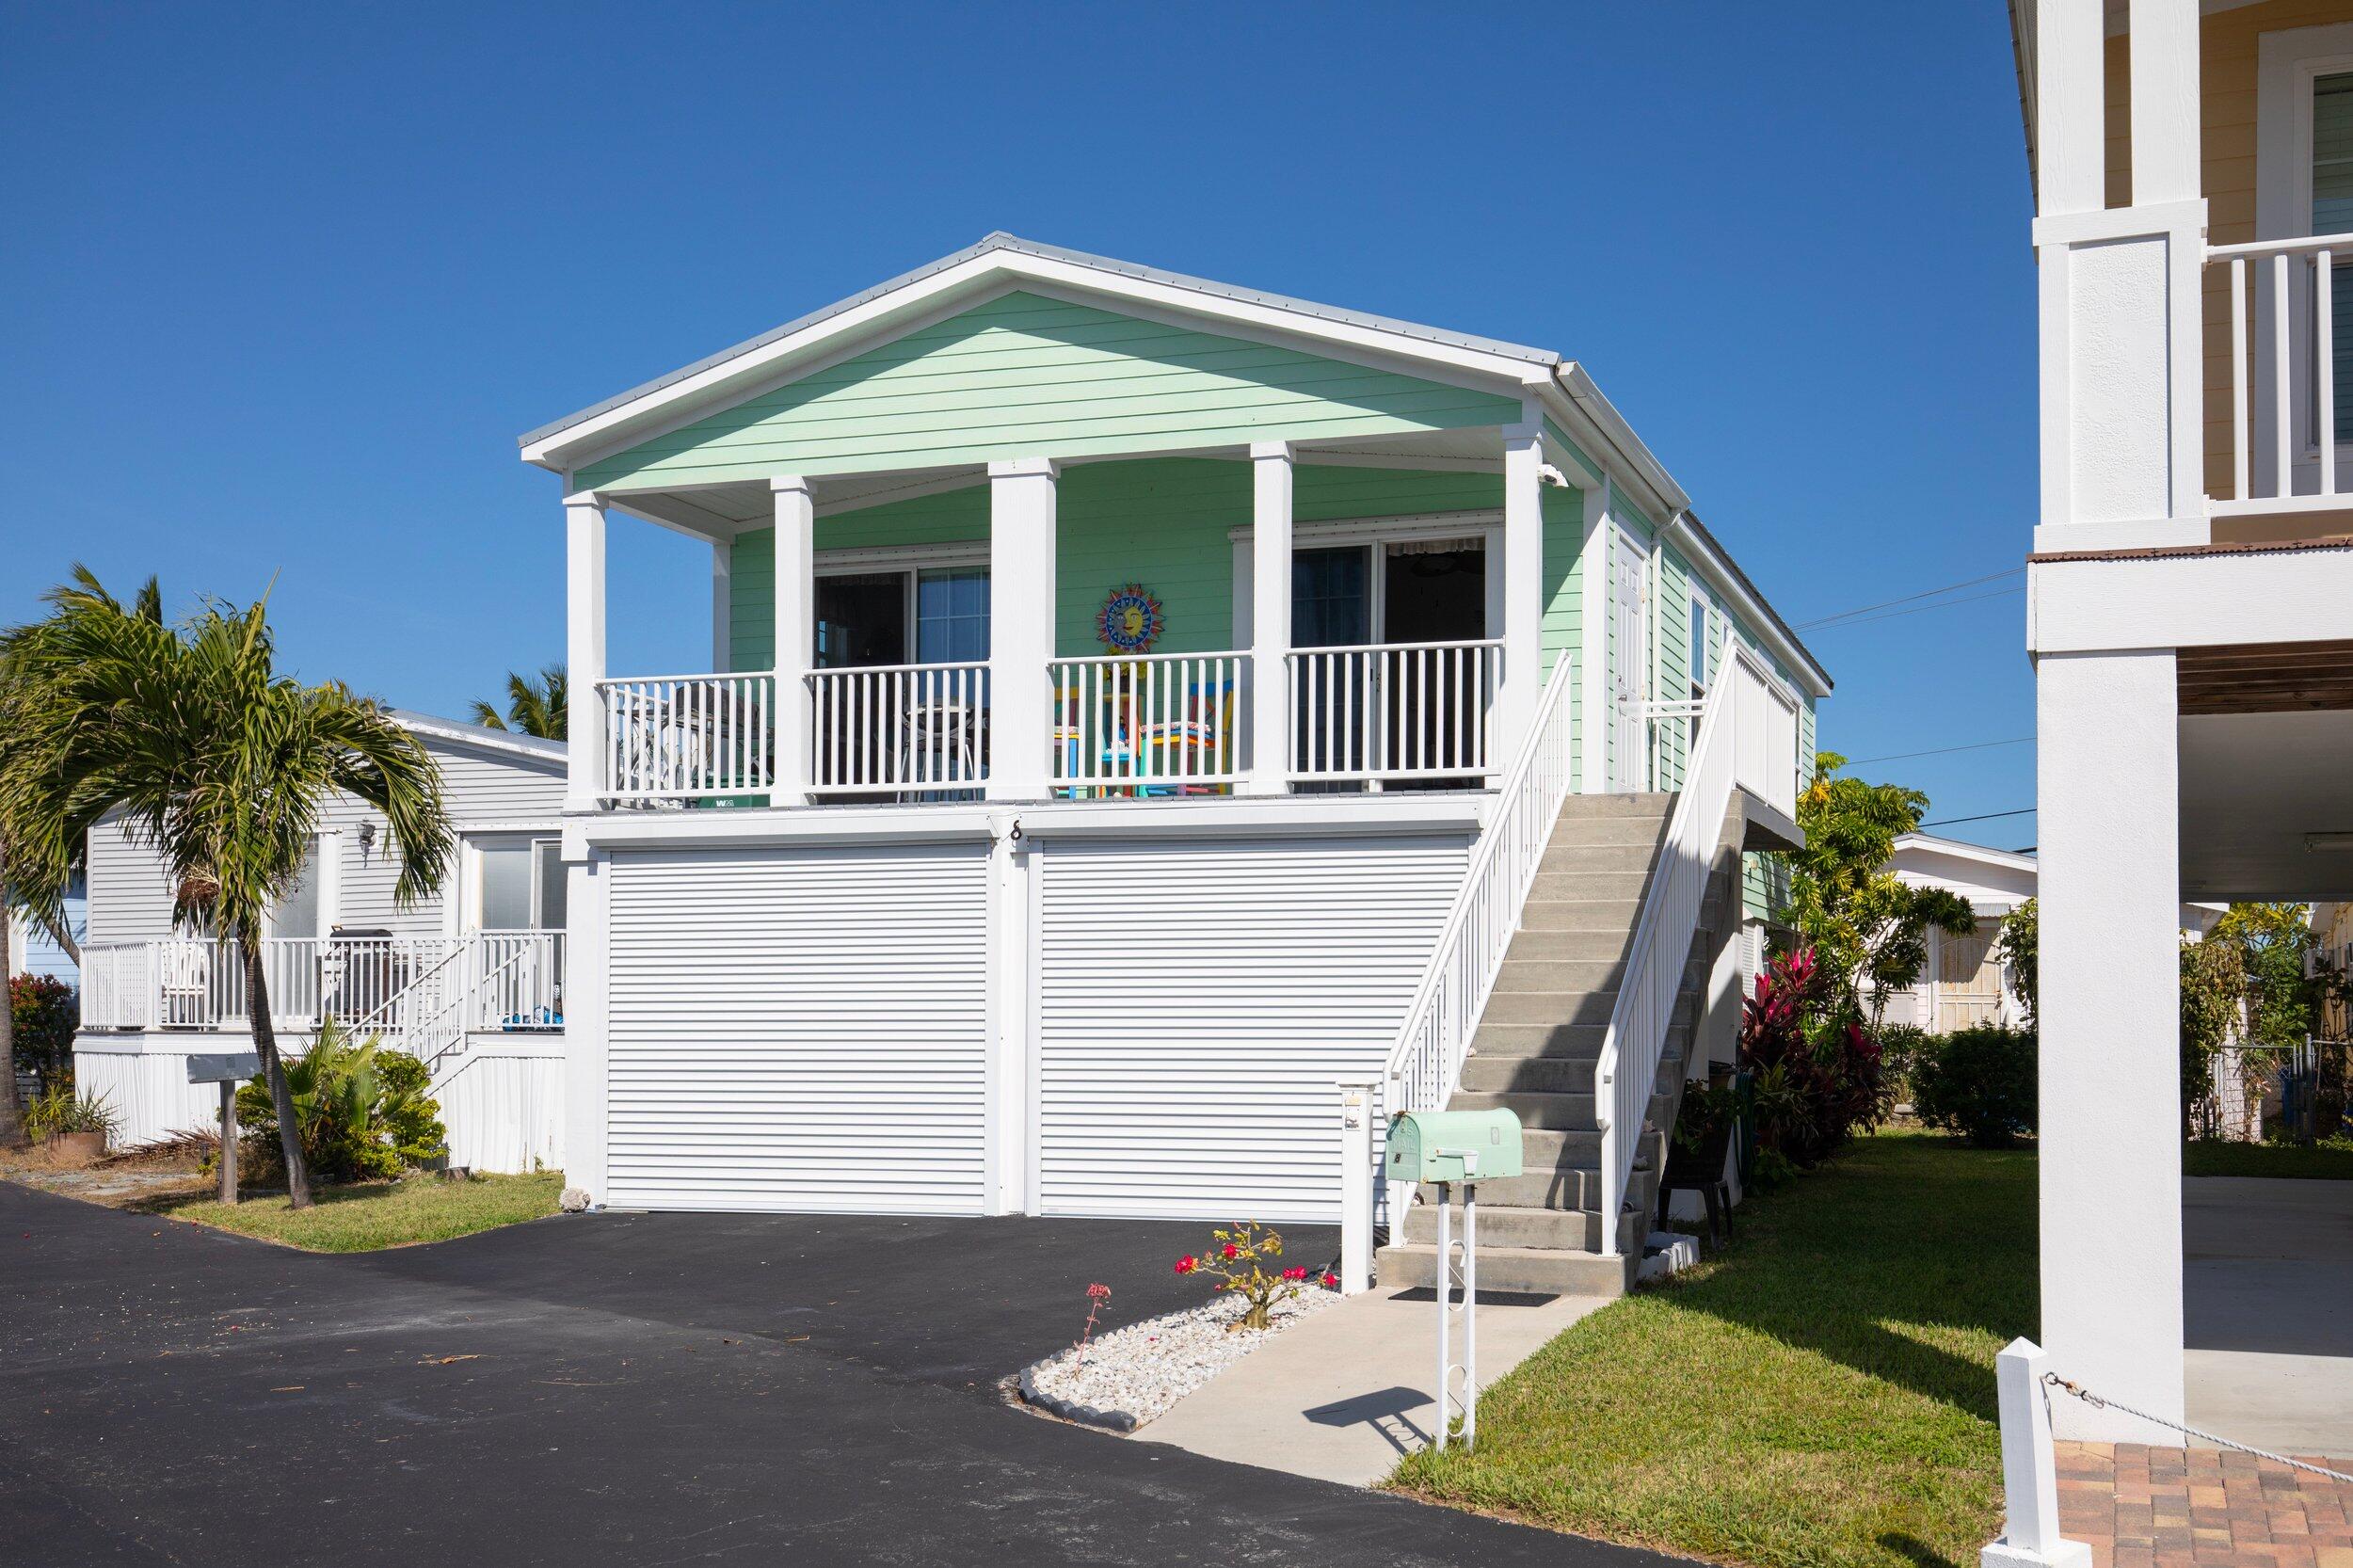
(1024, 377)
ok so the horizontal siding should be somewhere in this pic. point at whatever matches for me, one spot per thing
(1198, 1002)
(1024, 375)
(129, 900)
(799, 1030)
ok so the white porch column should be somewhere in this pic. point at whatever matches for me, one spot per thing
(1269, 619)
(1020, 626)
(796, 634)
(1594, 642)
(584, 648)
(722, 606)
(2109, 1149)
(1523, 590)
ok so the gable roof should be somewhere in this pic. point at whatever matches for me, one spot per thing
(482, 737)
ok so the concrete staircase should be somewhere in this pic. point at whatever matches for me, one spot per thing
(1536, 1052)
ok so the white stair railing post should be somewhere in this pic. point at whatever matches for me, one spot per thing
(1357, 1109)
(2030, 1525)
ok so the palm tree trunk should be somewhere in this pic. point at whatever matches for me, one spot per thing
(11, 1113)
(281, 1097)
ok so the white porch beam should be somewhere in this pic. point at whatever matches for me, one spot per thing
(1523, 587)
(2070, 103)
(584, 648)
(2162, 47)
(2109, 1141)
(796, 633)
(1021, 520)
(1272, 472)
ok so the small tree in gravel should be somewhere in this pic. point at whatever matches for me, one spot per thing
(1237, 1259)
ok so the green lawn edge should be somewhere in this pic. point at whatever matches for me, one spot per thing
(371, 1216)
(1819, 1395)
(2287, 1161)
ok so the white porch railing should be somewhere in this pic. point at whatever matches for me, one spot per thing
(1394, 710)
(2283, 373)
(680, 738)
(1748, 740)
(421, 993)
(909, 728)
(1425, 1062)
(1146, 724)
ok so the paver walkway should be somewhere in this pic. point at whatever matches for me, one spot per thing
(2141, 1506)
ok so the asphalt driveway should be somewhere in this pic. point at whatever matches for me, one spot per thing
(621, 1390)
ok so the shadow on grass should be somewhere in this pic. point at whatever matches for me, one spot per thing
(1872, 1260)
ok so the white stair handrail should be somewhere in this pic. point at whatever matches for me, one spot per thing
(1748, 740)
(1425, 1062)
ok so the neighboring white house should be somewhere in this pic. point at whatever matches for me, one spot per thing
(32, 950)
(472, 980)
(1138, 704)
(2191, 591)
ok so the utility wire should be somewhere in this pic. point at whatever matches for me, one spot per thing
(1938, 751)
(1947, 821)
(1930, 593)
(1942, 604)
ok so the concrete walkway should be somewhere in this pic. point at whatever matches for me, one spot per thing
(2268, 1271)
(1347, 1394)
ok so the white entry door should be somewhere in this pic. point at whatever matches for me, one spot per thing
(1629, 661)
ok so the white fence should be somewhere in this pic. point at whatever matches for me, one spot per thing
(680, 738)
(916, 730)
(1748, 740)
(1147, 723)
(1394, 711)
(2283, 371)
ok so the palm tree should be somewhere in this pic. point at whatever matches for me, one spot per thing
(534, 707)
(209, 757)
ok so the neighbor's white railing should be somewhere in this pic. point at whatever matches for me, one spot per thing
(1425, 1062)
(118, 986)
(516, 980)
(919, 728)
(678, 738)
(1748, 740)
(1146, 724)
(2282, 314)
(1394, 710)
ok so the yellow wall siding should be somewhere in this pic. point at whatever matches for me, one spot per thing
(1023, 375)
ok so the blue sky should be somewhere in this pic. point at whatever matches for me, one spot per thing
(284, 283)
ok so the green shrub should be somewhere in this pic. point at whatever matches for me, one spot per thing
(362, 1108)
(58, 1109)
(1900, 1045)
(1977, 1082)
(45, 1013)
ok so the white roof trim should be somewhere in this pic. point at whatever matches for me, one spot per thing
(2012, 860)
(481, 738)
(1001, 257)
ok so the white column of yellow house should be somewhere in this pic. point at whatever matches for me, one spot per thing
(1022, 612)
(795, 633)
(1269, 619)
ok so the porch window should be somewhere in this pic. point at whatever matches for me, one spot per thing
(2332, 213)
(926, 616)
(950, 615)
(297, 912)
(523, 885)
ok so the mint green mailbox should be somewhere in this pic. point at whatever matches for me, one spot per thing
(1454, 1145)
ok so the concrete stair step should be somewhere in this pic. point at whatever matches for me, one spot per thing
(1563, 1187)
(1563, 974)
(1571, 859)
(1535, 1271)
(1569, 1230)
(1588, 885)
(1573, 832)
(1557, 947)
(1556, 1113)
(1499, 1040)
(1580, 914)
(1655, 805)
(1541, 1008)
(1533, 1075)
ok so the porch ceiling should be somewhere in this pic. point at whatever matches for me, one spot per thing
(2252, 786)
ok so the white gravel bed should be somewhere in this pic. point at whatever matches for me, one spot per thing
(1139, 1370)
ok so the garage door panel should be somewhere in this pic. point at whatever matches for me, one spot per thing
(774, 1012)
(1197, 1002)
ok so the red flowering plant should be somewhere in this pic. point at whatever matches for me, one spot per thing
(1818, 1075)
(1097, 1296)
(1238, 1262)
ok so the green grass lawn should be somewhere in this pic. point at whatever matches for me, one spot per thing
(2319, 1161)
(369, 1215)
(1820, 1394)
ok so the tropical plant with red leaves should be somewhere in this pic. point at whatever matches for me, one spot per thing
(1818, 1075)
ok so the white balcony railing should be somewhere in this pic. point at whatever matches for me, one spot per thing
(1394, 710)
(2285, 344)
(417, 992)
(1147, 723)
(673, 738)
(912, 729)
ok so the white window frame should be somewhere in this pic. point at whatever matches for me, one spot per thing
(1485, 524)
(2289, 61)
(910, 562)
(468, 905)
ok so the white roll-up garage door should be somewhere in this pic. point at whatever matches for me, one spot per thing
(1198, 1002)
(799, 1029)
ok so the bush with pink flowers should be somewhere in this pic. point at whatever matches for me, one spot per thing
(1237, 1261)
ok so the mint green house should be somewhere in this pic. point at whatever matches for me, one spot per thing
(1118, 680)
